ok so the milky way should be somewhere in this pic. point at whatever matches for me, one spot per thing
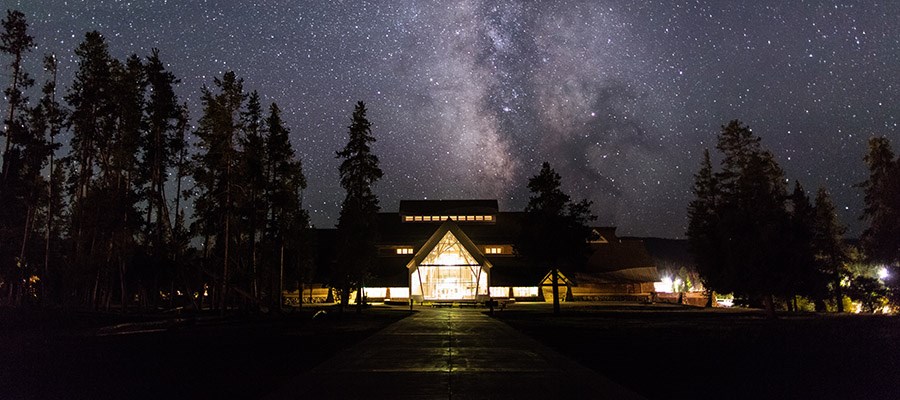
(468, 97)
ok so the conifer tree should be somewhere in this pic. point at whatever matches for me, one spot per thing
(121, 178)
(160, 145)
(55, 117)
(253, 160)
(804, 274)
(93, 123)
(556, 232)
(750, 253)
(881, 239)
(287, 220)
(15, 42)
(357, 229)
(828, 245)
(703, 228)
(216, 172)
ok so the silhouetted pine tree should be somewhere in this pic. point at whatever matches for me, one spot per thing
(357, 223)
(287, 223)
(14, 215)
(54, 116)
(15, 42)
(93, 125)
(750, 256)
(556, 233)
(703, 228)
(828, 245)
(253, 207)
(881, 239)
(159, 146)
(122, 179)
(216, 173)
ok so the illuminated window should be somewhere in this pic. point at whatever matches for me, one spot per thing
(449, 272)
(500, 291)
(479, 217)
(399, 292)
(408, 218)
(488, 217)
(528, 291)
(493, 250)
(375, 292)
(404, 250)
(418, 218)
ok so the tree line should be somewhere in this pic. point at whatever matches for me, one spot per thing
(106, 224)
(752, 237)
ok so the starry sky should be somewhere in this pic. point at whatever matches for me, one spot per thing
(468, 97)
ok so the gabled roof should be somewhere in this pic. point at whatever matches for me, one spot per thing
(448, 207)
(449, 226)
(548, 279)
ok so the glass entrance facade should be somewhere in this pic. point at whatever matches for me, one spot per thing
(449, 272)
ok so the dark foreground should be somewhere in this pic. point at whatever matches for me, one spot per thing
(90, 356)
(666, 353)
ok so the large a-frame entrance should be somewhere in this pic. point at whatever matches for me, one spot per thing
(449, 267)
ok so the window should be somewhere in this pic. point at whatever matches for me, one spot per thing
(404, 250)
(528, 291)
(493, 250)
(436, 218)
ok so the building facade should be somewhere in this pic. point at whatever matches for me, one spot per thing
(434, 251)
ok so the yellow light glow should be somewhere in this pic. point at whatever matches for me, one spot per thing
(525, 291)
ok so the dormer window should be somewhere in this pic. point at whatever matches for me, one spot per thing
(493, 250)
(404, 250)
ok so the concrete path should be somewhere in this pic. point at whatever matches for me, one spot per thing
(451, 354)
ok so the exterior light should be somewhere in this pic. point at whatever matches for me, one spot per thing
(883, 273)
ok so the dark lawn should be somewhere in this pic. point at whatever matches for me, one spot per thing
(666, 353)
(54, 355)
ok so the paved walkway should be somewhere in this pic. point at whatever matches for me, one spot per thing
(451, 354)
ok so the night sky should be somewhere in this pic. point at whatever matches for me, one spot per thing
(468, 97)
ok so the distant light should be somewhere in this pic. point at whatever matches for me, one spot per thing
(883, 273)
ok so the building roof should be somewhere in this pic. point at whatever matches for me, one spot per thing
(619, 255)
(448, 207)
(464, 240)
(612, 258)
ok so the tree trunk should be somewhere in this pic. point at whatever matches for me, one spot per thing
(555, 282)
(360, 299)
(769, 302)
(224, 285)
(838, 294)
(281, 278)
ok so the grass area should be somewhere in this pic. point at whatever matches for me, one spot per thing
(678, 353)
(59, 355)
